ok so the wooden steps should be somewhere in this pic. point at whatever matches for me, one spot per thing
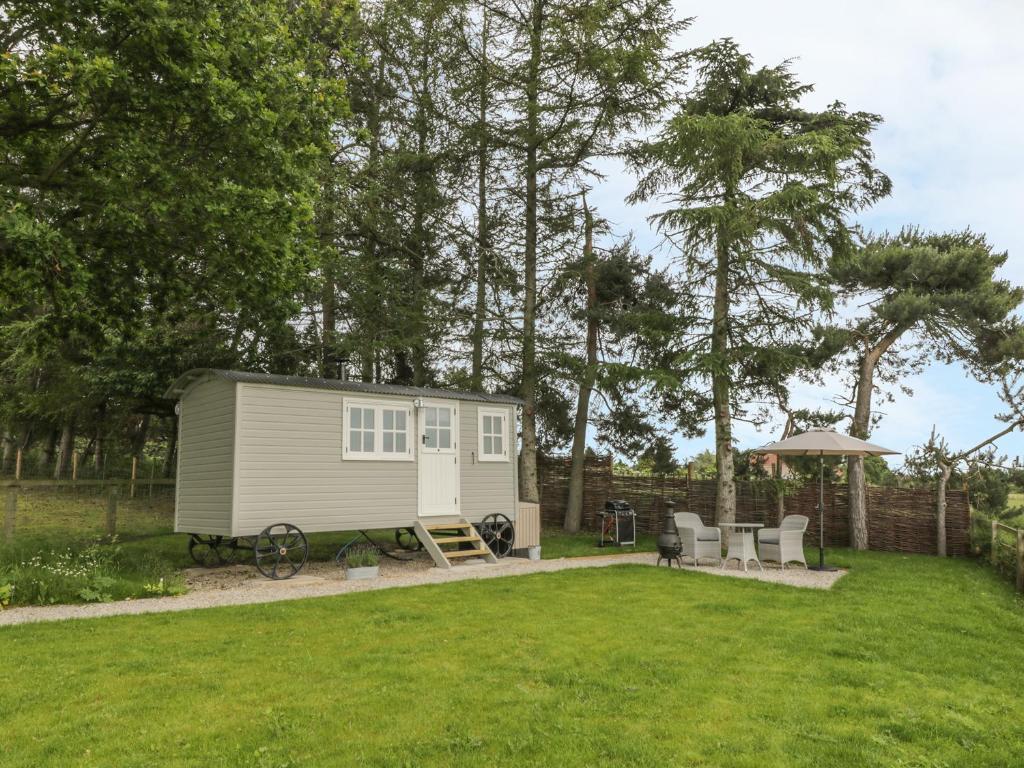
(468, 553)
(440, 546)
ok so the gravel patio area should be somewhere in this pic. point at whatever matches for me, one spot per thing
(241, 585)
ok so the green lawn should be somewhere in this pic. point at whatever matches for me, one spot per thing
(908, 661)
(556, 544)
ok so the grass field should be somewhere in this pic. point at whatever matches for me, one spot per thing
(555, 544)
(908, 661)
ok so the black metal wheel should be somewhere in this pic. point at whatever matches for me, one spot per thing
(206, 550)
(407, 539)
(498, 533)
(280, 551)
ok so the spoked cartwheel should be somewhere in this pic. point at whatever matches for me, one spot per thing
(498, 534)
(280, 551)
(407, 539)
(211, 551)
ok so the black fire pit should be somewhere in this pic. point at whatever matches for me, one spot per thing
(670, 546)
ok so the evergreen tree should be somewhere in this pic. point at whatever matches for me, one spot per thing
(757, 189)
(932, 296)
(619, 342)
(574, 76)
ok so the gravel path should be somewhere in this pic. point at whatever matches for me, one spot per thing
(240, 585)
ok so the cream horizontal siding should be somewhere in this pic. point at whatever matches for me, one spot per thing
(206, 458)
(487, 486)
(290, 467)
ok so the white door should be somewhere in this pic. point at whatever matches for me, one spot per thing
(439, 465)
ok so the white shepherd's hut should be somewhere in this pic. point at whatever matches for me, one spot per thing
(264, 459)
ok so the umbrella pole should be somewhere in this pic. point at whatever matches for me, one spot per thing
(821, 513)
(821, 519)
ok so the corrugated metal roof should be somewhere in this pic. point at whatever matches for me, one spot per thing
(183, 382)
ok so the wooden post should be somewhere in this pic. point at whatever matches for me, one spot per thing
(995, 543)
(1020, 559)
(112, 512)
(135, 471)
(10, 513)
(74, 466)
(17, 465)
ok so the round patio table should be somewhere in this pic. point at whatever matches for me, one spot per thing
(741, 544)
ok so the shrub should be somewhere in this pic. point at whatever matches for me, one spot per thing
(362, 557)
(94, 572)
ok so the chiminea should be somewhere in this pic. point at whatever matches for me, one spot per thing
(669, 545)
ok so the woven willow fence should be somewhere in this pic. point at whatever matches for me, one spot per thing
(899, 519)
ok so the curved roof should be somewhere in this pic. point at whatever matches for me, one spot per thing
(183, 382)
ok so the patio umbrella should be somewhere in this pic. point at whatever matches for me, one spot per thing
(822, 443)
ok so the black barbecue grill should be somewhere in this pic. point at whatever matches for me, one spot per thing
(618, 524)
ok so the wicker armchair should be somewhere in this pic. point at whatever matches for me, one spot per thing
(699, 541)
(784, 544)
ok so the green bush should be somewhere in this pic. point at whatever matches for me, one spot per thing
(93, 572)
(990, 491)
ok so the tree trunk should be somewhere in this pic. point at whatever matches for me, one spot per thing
(328, 342)
(49, 449)
(528, 490)
(940, 508)
(140, 436)
(65, 447)
(574, 503)
(10, 446)
(170, 468)
(97, 451)
(725, 503)
(859, 428)
(482, 234)
(97, 443)
(425, 180)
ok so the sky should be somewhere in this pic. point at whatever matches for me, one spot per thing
(948, 79)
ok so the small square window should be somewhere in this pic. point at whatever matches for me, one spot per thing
(492, 436)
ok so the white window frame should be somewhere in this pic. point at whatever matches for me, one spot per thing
(503, 414)
(378, 407)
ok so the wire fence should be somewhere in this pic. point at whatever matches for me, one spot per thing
(79, 465)
(51, 510)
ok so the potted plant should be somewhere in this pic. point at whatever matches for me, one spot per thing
(362, 563)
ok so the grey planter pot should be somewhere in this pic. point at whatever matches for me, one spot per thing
(533, 553)
(369, 572)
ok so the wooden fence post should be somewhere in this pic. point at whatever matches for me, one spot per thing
(74, 465)
(17, 465)
(135, 471)
(10, 513)
(112, 512)
(1020, 559)
(995, 543)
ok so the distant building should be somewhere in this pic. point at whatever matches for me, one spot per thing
(768, 463)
